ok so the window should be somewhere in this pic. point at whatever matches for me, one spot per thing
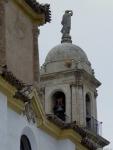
(24, 143)
(58, 100)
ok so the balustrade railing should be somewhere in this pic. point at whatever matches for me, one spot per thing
(93, 125)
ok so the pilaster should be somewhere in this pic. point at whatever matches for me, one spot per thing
(2, 34)
(74, 103)
(68, 103)
(36, 71)
(95, 104)
(79, 99)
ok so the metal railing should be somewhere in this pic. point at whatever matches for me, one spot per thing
(93, 125)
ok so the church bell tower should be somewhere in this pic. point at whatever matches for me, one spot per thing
(68, 82)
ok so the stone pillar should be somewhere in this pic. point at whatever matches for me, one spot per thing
(36, 67)
(74, 103)
(2, 34)
(68, 103)
(95, 104)
(79, 99)
(80, 105)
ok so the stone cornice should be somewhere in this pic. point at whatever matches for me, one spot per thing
(83, 73)
(39, 8)
(38, 18)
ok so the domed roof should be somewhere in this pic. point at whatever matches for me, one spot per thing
(66, 51)
(66, 56)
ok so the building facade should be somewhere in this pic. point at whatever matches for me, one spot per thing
(51, 114)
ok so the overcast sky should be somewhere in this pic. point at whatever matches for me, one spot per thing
(92, 30)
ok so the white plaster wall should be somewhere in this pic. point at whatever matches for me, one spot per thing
(39, 140)
(74, 104)
(65, 145)
(13, 125)
(18, 125)
(3, 121)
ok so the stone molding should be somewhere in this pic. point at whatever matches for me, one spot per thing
(84, 76)
(39, 8)
(29, 113)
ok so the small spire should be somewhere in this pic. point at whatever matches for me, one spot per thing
(66, 23)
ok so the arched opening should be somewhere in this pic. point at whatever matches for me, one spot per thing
(58, 100)
(88, 111)
(25, 143)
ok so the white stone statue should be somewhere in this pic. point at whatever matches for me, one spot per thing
(66, 22)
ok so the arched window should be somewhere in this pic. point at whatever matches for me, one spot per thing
(24, 143)
(58, 100)
(88, 111)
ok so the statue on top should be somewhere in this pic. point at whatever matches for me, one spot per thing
(66, 22)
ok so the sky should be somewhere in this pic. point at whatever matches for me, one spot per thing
(92, 30)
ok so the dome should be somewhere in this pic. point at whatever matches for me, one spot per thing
(65, 56)
(66, 51)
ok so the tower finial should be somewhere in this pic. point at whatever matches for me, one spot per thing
(66, 23)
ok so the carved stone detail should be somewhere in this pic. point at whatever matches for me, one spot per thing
(42, 96)
(79, 81)
(29, 113)
(96, 94)
(66, 23)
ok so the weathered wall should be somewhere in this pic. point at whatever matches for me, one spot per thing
(2, 34)
(20, 54)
